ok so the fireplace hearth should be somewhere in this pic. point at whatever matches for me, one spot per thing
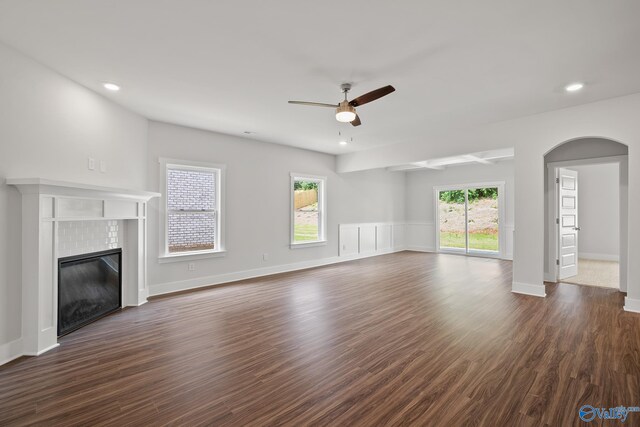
(89, 288)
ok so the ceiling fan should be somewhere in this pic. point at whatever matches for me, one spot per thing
(346, 110)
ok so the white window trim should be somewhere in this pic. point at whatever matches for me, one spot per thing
(220, 251)
(501, 217)
(322, 207)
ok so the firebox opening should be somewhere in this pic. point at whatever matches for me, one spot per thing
(89, 287)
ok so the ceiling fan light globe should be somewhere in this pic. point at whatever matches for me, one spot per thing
(345, 116)
(345, 113)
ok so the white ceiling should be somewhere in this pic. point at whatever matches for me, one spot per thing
(231, 66)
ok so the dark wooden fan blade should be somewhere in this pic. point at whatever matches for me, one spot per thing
(372, 96)
(314, 104)
(357, 121)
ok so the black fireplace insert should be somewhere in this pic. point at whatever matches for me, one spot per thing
(89, 287)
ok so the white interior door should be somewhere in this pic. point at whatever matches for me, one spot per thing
(567, 223)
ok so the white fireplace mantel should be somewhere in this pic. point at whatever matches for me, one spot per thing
(45, 204)
(49, 186)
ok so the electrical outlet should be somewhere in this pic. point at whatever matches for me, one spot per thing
(91, 164)
(103, 166)
(191, 266)
(265, 257)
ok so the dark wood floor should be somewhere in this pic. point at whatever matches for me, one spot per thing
(407, 338)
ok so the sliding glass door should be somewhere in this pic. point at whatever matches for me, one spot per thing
(452, 213)
(469, 219)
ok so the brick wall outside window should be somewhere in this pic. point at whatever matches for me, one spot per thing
(189, 191)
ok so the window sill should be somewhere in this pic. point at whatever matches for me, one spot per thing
(190, 256)
(308, 244)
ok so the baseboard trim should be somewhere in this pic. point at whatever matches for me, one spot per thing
(221, 279)
(598, 257)
(528, 289)
(632, 305)
(15, 349)
(138, 304)
(143, 294)
(420, 249)
(10, 351)
(39, 352)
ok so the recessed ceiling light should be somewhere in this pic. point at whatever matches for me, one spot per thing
(111, 86)
(574, 87)
(343, 142)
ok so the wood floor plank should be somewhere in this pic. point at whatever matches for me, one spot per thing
(401, 339)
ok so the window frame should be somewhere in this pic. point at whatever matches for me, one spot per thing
(219, 242)
(322, 210)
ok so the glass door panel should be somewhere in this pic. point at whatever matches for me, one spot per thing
(451, 205)
(483, 220)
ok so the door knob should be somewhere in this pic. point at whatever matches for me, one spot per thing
(577, 228)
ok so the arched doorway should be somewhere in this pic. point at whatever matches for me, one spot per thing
(600, 213)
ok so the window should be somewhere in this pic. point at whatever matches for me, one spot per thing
(308, 210)
(192, 209)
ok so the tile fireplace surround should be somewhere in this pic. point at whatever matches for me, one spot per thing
(59, 218)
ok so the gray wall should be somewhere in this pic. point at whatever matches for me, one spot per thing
(599, 211)
(258, 201)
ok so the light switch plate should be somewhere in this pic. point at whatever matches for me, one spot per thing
(103, 166)
(91, 164)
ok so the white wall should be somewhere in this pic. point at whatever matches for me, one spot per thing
(49, 126)
(599, 211)
(420, 207)
(258, 201)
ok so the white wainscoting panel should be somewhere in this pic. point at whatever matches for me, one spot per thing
(349, 240)
(398, 236)
(367, 239)
(371, 239)
(384, 237)
(420, 236)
